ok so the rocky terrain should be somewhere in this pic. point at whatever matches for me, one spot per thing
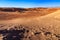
(29, 23)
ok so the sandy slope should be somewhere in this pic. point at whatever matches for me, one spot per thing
(49, 24)
(52, 18)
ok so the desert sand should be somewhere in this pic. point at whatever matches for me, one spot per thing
(30, 24)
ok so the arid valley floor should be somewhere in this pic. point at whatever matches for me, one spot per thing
(29, 23)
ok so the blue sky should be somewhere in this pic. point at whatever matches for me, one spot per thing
(29, 3)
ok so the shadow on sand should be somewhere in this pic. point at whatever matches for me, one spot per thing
(12, 34)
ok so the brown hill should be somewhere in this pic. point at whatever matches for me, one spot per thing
(11, 13)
